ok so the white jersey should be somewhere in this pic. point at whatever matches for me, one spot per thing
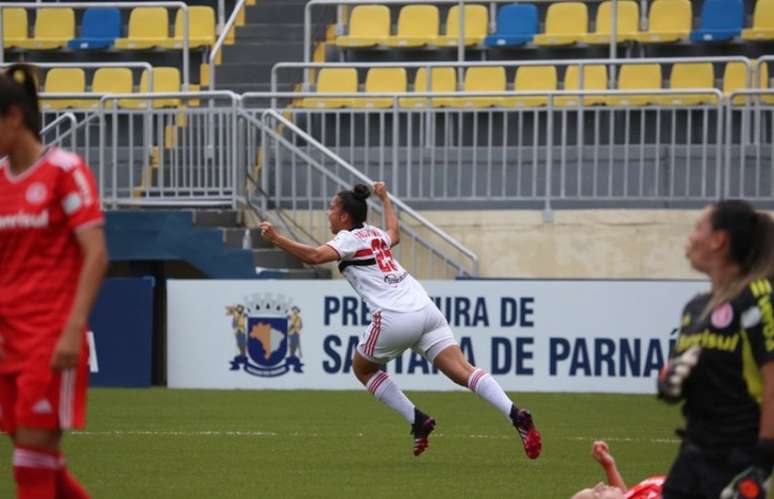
(368, 265)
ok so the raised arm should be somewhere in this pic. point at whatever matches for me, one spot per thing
(390, 217)
(601, 453)
(307, 254)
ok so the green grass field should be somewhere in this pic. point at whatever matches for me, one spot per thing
(166, 444)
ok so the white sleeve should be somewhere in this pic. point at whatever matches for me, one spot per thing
(345, 244)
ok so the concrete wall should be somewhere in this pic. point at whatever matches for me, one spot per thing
(577, 244)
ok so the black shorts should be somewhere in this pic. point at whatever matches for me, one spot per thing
(697, 474)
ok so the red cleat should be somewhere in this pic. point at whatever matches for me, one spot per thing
(421, 429)
(530, 436)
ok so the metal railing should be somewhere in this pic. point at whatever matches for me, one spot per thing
(169, 149)
(60, 132)
(120, 5)
(749, 145)
(224, 32)
(298, 183)
(610, 64)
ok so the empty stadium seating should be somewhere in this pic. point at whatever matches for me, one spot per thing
(14, 27)
(369, 25)
(720, 20)
(482, 79)
(687, 75)
(201, 28)
(627, 22)
(442, 80)
(476, 26)
(735, 78)
(64, 80)
(594, 78)
(148, 28)
(763, 22)
(566, 24)
(533, 79)
(382, 80)
(668, 21)
(165, 80)
(333, 80)
(637, 77)
(516, 25)
(417, 26)
(112, 81)
(54, 27)
(99, 29)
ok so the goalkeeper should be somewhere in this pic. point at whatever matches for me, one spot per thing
(722, 369)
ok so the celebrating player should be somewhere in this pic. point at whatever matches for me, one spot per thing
(53, 258)
(723, 367)
(616, 488)
(403, 316)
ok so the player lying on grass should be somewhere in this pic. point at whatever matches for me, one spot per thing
(649, 488)
(403, 316)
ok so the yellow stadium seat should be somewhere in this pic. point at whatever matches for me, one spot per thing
(627, 21)
(369, 25)
(14, 27)
(111, 81)
(417, 27)
(566, 23)
(201, 28)
(53, 29)
(164, 80)
(763, 22)
(638, 77)
(148, 28)
(476, 26)
(687, 75)
(64, 80)
(532, 79)
(594, 78)
(382, 80)
(482, 79)
(333, 80)
(735, 78)
(668, 21)
(443, 80)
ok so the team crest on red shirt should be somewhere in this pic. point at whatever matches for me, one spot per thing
(722, 316)
(267, 330)
(36, 193)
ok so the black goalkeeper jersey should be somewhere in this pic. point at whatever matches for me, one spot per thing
(723, 392)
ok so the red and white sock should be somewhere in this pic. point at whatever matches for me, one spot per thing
(490, 390)
(382, 387)
(67, 487)
(34, 471)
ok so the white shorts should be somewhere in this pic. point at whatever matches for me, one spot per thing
(425, 331)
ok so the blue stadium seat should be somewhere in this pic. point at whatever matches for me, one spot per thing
(720, 20)
(516, 25)
(99, 29)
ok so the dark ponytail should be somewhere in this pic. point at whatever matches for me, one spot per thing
(750, 245)
(18, 88)
(354, 203)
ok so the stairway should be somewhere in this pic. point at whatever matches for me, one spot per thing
(273, 32)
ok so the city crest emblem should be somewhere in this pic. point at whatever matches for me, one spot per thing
(267, 331)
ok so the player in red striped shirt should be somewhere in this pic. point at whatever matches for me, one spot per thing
(53, 258)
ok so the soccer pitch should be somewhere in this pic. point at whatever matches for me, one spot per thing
(168, 444)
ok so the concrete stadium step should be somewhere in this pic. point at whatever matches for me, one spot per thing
(252, 73)
(280, 12)
(270, 32)
(217, 218)
(275, 259)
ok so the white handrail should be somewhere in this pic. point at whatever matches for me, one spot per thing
(120, 5)
(221, 40)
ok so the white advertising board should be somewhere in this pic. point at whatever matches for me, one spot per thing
(548, 336)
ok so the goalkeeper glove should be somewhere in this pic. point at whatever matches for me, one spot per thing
(675, 372)
(755, 481)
